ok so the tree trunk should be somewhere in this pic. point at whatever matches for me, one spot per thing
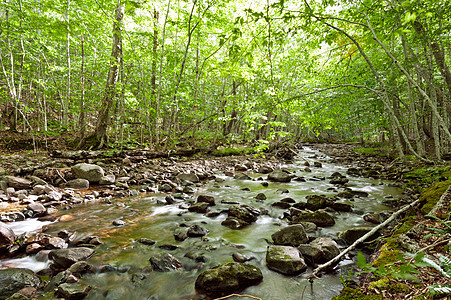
(103, 118)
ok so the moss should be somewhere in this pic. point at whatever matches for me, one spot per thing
(380, 284)
(371, 151)
(406, 224)
(431, 196)
(398, 288)
(355, 294)
(232, 151)
(388, 254)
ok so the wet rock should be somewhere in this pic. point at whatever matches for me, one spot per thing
(196, 256)
(79, 268)
(92, 173)
(339, 180)
(282, 191)
(18, 182)
(244, 212)
(265, 170)
(197, 231)
(234, 223)
(353, 234)
(260, 196)
(282, 205)
(15, 279)
(77, 183)
(7, 237)
(170, 200)
(279, 176)
(346, 195)
(241, 258)
(328, 246)
(74, 291)
(199, 207)
(118, 222)
(292, 235)
(67, 257)
(312, 254)
(353, 172)
(168, 247)
(317, 164)
(206, 199)
(191, 177)
(45, 240)
(285, 259)
(37, 208)
(315, 202)
(228, 278)
(242, 176)
(146, 241)
(320, 217)
(240, 168)
(107, 180)
(165, 263)
(360, 194)
(338, 206)
(12, 216)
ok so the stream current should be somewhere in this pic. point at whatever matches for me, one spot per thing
(145, 218)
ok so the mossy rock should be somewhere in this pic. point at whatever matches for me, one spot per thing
(232, 151)
(355, 294)
(432, 195)
(387, 255)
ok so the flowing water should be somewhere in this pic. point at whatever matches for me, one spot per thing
(146, 219)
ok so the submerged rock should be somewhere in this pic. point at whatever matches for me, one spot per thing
(228, 278)
(292, 235)
(319, 218)
(279, 176)
(165, 263)
(15, 279)
(285, 259)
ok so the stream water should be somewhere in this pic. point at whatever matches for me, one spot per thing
(145, 218)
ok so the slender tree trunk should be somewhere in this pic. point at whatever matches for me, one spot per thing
(68, 91)
(103, 118)
(81, 120)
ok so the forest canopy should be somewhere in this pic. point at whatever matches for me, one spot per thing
(161, 72)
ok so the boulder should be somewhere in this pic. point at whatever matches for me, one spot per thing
(77, 183)
(92, 173)
(7, 237)
(279, 176)
(206, 199)
(196, 231)
(67, 257)
(18, 182)
(244, 212)
(315, 202)
(37, 208)
(260, 196)
(188, 177)
(338, 206)
(15, 279)
(353, 234)
(372, 218)
(165, 263)
(73, 290)
(199, 207)
(328, 246)
(312, 254)
(292, 235)
(265, 170)
(234, 223)
(285, 259)
(228, 278)
(320, 217)
(242, 176)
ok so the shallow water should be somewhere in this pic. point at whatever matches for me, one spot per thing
(146, 219)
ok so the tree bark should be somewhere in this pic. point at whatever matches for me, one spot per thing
(103, 118)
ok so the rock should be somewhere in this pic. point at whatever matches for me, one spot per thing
(339, 180)
(13, 280)
(238, 257)
(240, 168)
(327, 246)
(74, 291)
(196, 256)
(146, 241)
(3, 185)
(165, 263)
(279, 176)
(37, 208)
(234, 223)
(319, 218)
(353, 234)
(353, 172)
(285, 259)
(188, 177)
(265, 170)
(292, 235)
(360, 194)
(7, 237)
(77, 183)
(206, 199)
(170, 200)
(47, 241)
(315, 202)
(92, 173)
(107, 180)
(346, 195)
(196, 231)
(12, 216)
(228, 278)
(338, 206)
(242, 176)
(244, 212)
(317, 164)
(282, 205)
(18, 182)
(67, 257)
(309, 227)
(118, 222)
(260, 196)
(282, 191)
(80, 268)
(312, 254)
(199, 207)
(372, 218)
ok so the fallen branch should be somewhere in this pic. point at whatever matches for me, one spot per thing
(336, 259)
(238, 295)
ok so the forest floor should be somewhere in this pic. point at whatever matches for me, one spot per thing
(390, 272)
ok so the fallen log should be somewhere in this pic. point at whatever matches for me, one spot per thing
(336, 259)
(26, 170)
(82, 155)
